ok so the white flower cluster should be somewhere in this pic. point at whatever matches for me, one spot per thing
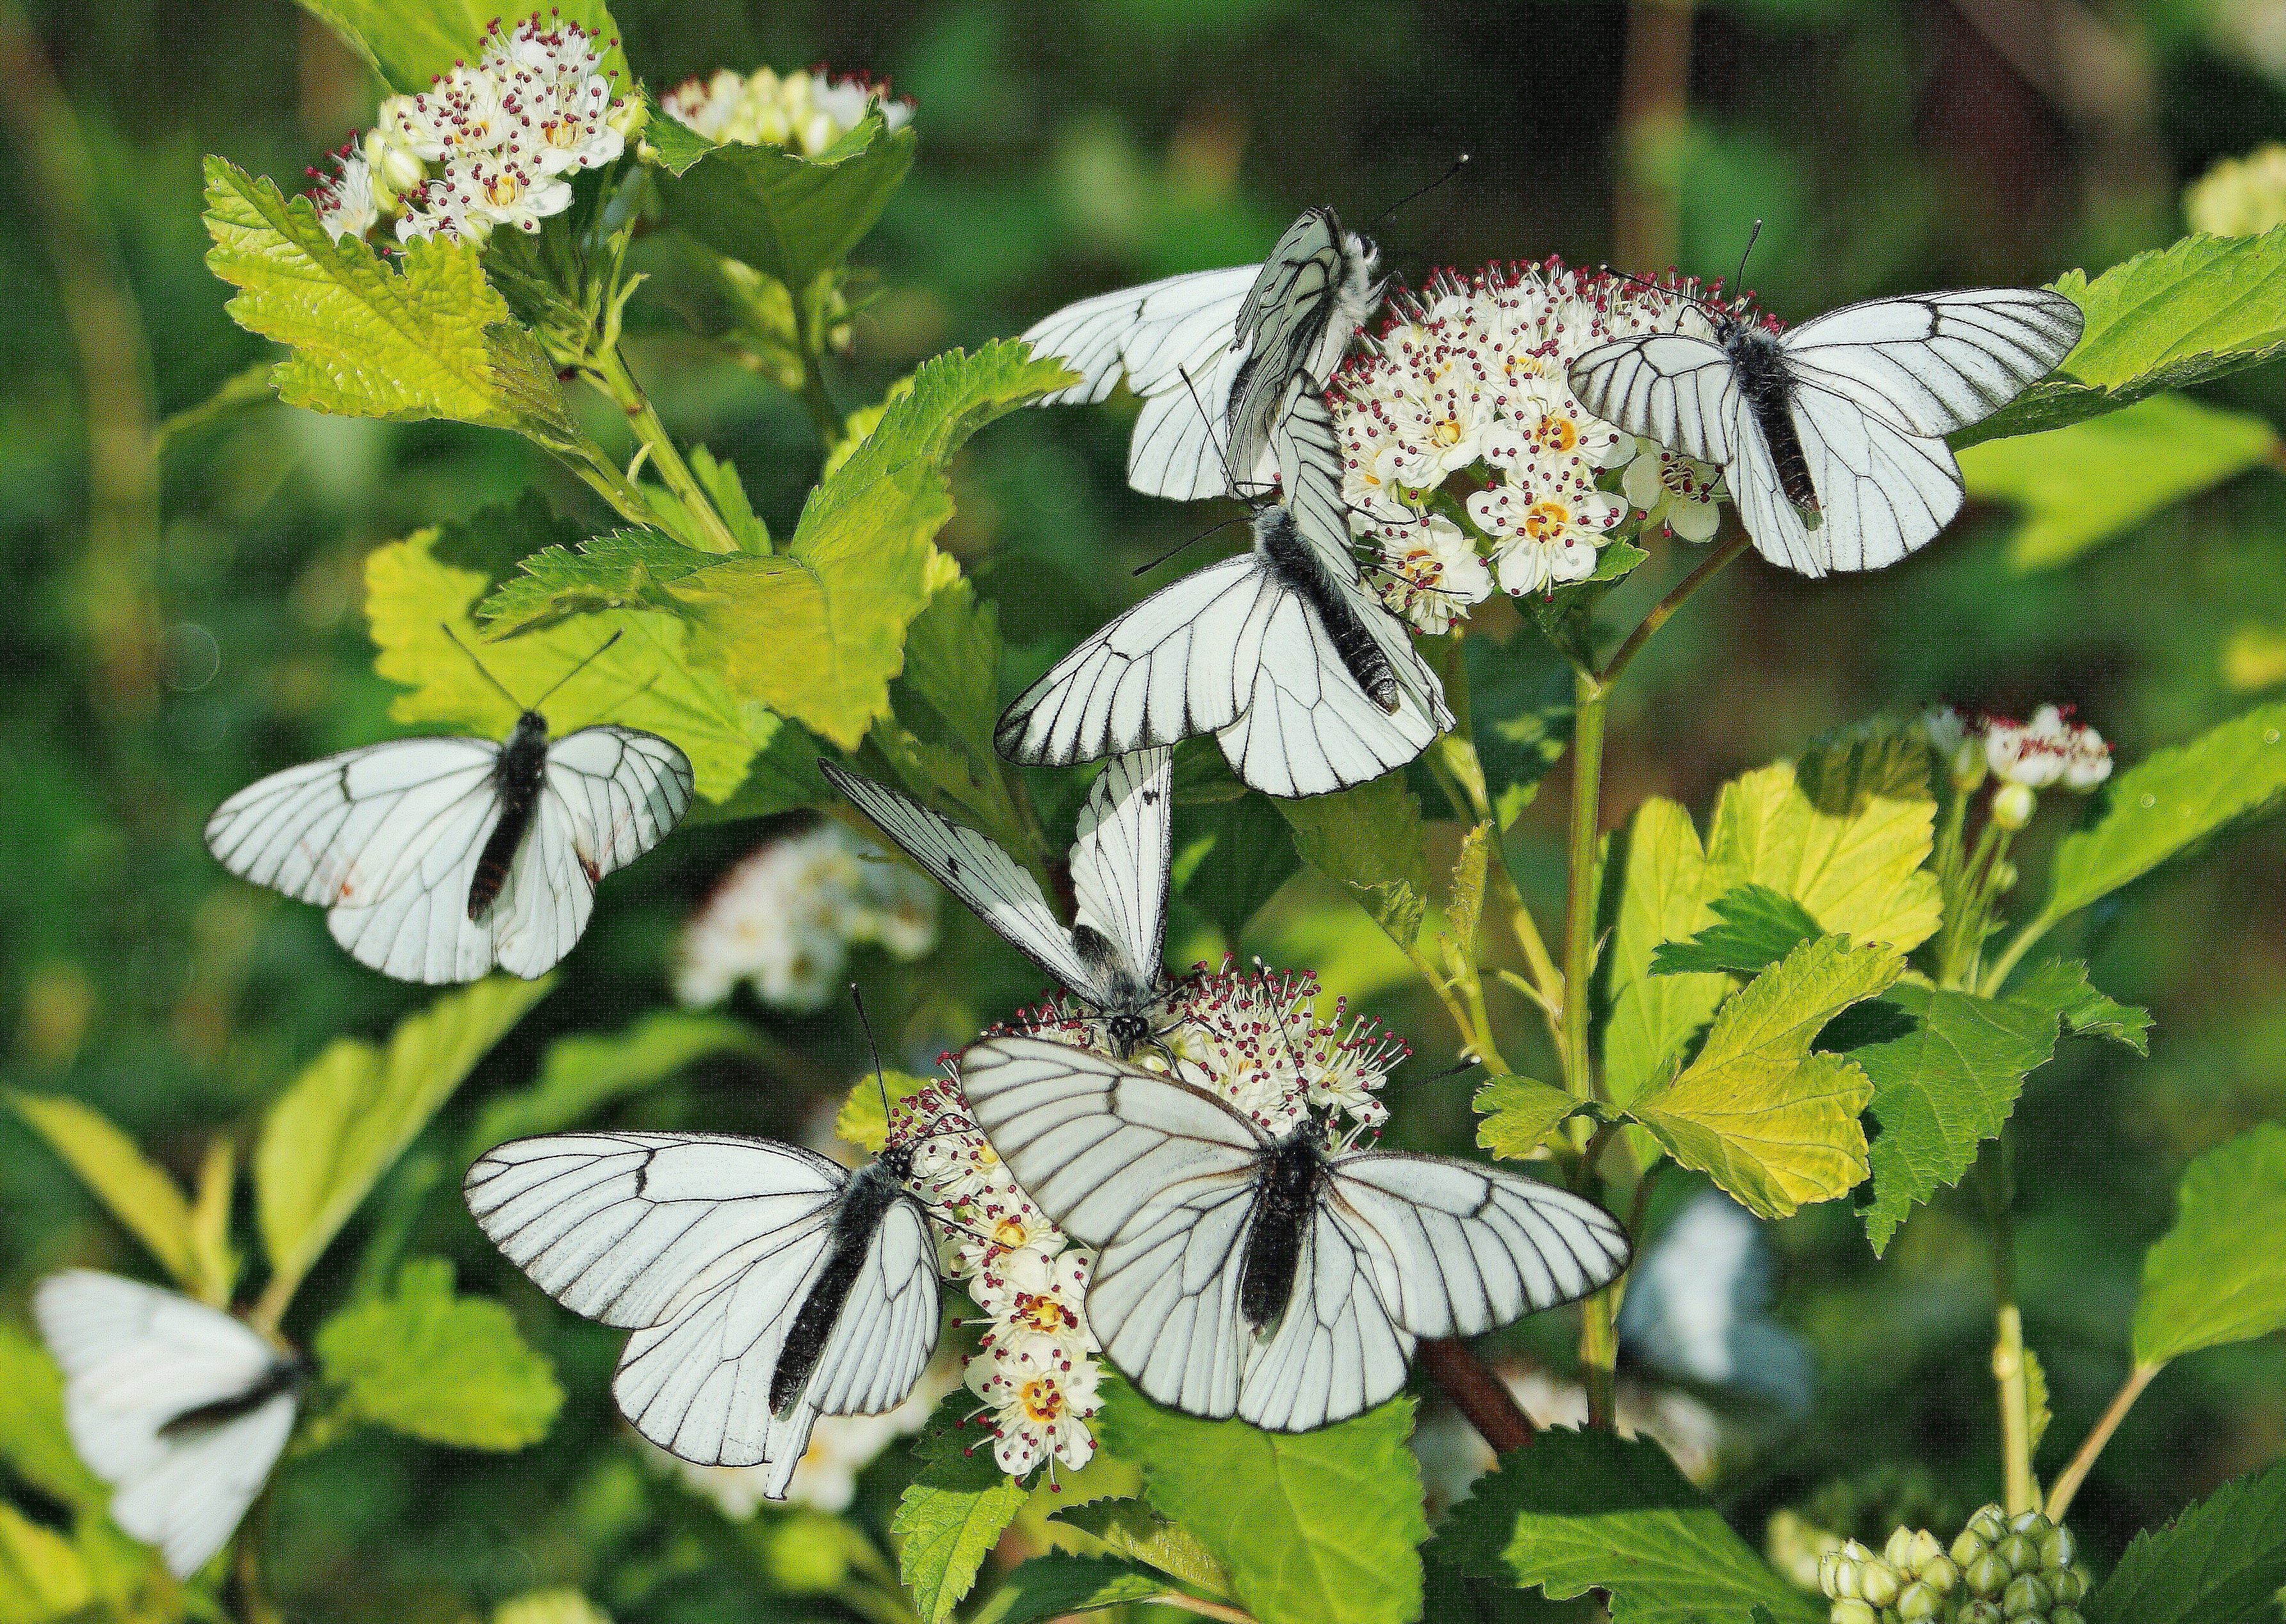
(786, 916)
(825, 1477)
(1256, 1038)
(1461, 438)
(487, 146)
(2023, 756)
(804, 111)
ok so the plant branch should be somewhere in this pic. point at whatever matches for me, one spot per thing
(1205, 1609)
(1476, 1394)
(1589, 695)
(607, 369)
(2009, 1375)
(1662, 612)
(824, 415)
(2066, 1484)
(1654, 96)
(1997, 977)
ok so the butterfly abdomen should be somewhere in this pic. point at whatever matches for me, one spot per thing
(523, 765)
(1290, 556)
(1273, 1238)
(284, 1376)
(1768, 387)
(865, 1200)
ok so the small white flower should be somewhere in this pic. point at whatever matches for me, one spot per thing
(1671, 489)
(1546, 435)
(804, 111)
(1036, 1300)
(344, 200)
(1039, 1405)
(2049, 749)
(1430, 571)
(1545, 539)
(461, 112)
(494, 189)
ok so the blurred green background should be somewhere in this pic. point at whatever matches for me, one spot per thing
(1889, 146)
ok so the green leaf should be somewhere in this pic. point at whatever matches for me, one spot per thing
(42, 1577)
(1844, 832)
(443, 1369)
(2220, 1274)
(1567, 614)
(1666, 889)
(651, 679)
(2166, 319)
(32, 1439)
(1057, 1585)
(582, 1074)
(2036, 1402)
(2166, 804)
(411, 42)
(2079, 485)
(1754, 927)
(1314, 1527)
(424, 337)
(550, 1607)
(2061, 985)
(627, 569)
(1519, 1114)
(1774, 1124)
(355, 1107)
(788, 215)
(2221, 1562)
(1369, 840)
(1233, 857)
(951, 1515)
(816, 632)
(943, 706)
(861, 1120)
(1579, 1511)
(137, 1191)
(1131, 1529)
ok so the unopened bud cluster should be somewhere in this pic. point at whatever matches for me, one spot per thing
(806, 112)
(2000, 1570)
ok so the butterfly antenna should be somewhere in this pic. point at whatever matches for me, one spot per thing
(1467, 1063)
(1145, 569)
(858, 999)
(481, 670)
(1228, 482)
(1738, 283)
(1658, 287)
(592, 656)
(1459, 163)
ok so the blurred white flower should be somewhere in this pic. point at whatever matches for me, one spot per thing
(2049, 749)
(840, 1447)
(785, 917)
(803, 111)
(2240, 197)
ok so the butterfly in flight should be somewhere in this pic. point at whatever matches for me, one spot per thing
(1110, 958)
(1831, 436)
(437, 858)
(1282, 1280)
(765, 1285)
(1284, 653)
(1215, 354)
(180, 1409)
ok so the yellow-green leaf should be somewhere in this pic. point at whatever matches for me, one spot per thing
(137, 1191)
(1131, 1529)
(424, 337)
(1771, 1122)
(1369, 840)
(32, 1439)
(1666, 887)
(42, 1577)
(550, 1607)
(355, 1108)
(447, 1369)
(582, 1074)
(786, 214)
(1519, 1114)
(2220, 1274)
(862, 1121)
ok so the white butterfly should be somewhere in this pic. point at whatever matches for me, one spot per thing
(1697, 1307)
(1283, 653)
(1110, 957)
(765, 1285)
(437, 858)
(1272, 1278)
(1831, 437)
(1214, 353)
(182, 1410)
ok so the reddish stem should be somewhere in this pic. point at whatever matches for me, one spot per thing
(1480, 1395)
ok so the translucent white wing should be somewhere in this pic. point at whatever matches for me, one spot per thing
(1155, 337)
(1308, 459)
(135, 1358)
(1160, 1176)
(1458, 1248)
(1932, 364)
(1335, 1352)
(1119, 860)
(624, 791)
(888, 1326)
(1881, 494)
(1669, 386)
(706, 1244)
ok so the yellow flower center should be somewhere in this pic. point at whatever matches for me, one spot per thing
(1447, 433)
(1422, 568)
(1009, 1233)
(1546, 521)
(1559, 434)
(1042, 1399)
(503, 189)
(1044, 1314)
(562, 133)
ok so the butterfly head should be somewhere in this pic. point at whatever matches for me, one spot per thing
(897, 1158)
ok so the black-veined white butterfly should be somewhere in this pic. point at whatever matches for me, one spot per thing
(1281, 1281)
(1215, 354)
(180, 1409)
(1831, 436)
(437, 858)
(1110, 957)
(765, 1286)
(1284, 653)
(1698, 1308)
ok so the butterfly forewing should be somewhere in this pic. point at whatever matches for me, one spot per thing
(1934, 364)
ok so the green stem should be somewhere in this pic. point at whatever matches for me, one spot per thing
(607, 368)
(2066, 1484)
(2008, 1373)
(824, 415)
(1997, 977)
(1662, 612)
(1589, 695)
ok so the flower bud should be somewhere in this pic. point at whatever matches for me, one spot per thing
(1939, 1574)
(1922, 1550)
(1846, 1569)
(2065, 1615)
(1878, 1583)
(1897, 1552)
(1829, 1568)
(1990, 1523)
(2025, 1598)
(1853, 1611)
(2034, 1523)
(2057, 1548)
(2021, 1552)
(1918, 1601)
(1977, 1612)
(2012, 805)
(2003, 876)
(1988, 1575)
(630, 116)
(2069, 1584)
(1966, 1547)
(1967, 767)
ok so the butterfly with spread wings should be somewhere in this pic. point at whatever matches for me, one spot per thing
(1831, 436)
(1215, 354)
(1284, 653)
(437, 858)
(180, 1409)
(1110, 957)
(765, 1286)
(1276, 1279)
